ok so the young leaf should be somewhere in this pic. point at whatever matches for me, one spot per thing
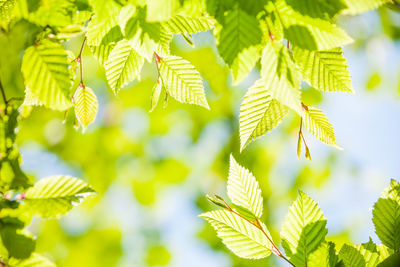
(45, 69)
(55, 195)
(122, 66)
(240, 236)
(243, 189)
(299, 141)
(238, 42)
(259, 113)
(280, 88)
(182, 81)
(324, 70)
(155, 95)
(318, 124)
(307, 32)
(386, 216)
(303, 230)
(86, 106)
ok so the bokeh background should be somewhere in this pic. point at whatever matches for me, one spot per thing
(152, 170)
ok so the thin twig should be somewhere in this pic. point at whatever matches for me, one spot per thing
(3, 94)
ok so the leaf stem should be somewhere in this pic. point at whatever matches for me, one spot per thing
(79, 59)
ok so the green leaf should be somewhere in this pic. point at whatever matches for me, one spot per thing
(18, 242)
(324, 70)
(182, 81)
(280, 88)
(155, 95)
(102, 52)
(286, 68)
(307, 32)
(30, 99)
(240, 236)
(105, 8)
(54, 196)
(243, 189)
(303, 230)
(86, 106)
(35, 260)
(164, 43)
(324, 255)
(259, 113)
(318, 124)
(45, 69)
(384, 252)
(188, 25)
(245, 62)
(239, 42)
(161, 10)
(143, 36)
(355, 7)
(351, 257)
(122, 66)
(370, 253)
(386, 216)
(98, 29)
(318, 8)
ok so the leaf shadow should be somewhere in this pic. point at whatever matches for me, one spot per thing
(301, 37)
(311, 237)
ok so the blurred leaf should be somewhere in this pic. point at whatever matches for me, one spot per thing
(360, 6)
(158, 256)
(374, 81)
(35, 260)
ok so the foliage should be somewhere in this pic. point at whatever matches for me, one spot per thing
(291, 41)
(124, 35)
(303, 234)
